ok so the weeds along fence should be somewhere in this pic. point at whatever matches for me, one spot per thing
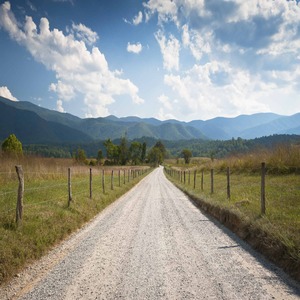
(24, 190)
(256, 191)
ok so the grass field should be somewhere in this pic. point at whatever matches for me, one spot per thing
(281, 221)
(47, 219)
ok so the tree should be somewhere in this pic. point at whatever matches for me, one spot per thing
(187, 154)
(123, 152)
(99, 156)
(12, 146)
(81, 156)
(143, 154)
(155, 156)
(135, 151)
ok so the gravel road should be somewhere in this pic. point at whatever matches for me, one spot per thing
(152, 243)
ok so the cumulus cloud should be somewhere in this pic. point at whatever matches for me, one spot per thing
(245, 53)
(170, 50)
(80, 73)
(84, 33)
(5, 92)
(134, 48)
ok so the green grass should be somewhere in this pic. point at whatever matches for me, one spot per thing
(47, 219)
(282, 218)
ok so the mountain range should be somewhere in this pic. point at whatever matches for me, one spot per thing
(33, 124)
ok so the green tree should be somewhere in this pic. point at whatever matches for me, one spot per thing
(81, 156)
(135, 151)
(155, 156)
(99, 157)
(12, 146)
(123, 152)
(187, 155)
(144, 150)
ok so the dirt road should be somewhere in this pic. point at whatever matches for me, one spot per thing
(153, 244)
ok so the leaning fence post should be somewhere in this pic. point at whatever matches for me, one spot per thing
(228, 182)
(212, 181)
(69, 187)
(19, 208)
(91, 179)
(263, 189)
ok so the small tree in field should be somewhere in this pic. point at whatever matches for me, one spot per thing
(187, 155)
(12, 146)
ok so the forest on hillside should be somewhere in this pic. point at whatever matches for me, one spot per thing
(198, 147)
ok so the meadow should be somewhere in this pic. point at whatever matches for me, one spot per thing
(47, 216)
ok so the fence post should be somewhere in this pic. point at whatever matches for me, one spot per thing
(212, 181)
(124, 176)
(202, 179)
(184, 176)
(128, 175)
(189, 177)
(112, 179)
(103, 181)
(69, 187)
(195, 174)
(19, 208)
(263, 189)
(228, 182)
(91, 179)
(119, 178)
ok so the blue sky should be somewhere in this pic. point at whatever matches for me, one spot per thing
(182, 59)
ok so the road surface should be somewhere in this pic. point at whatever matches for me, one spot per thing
(153, 243)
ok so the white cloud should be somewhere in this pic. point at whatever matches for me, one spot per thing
(166, 9)
(80, 73)
(84, 34)
(170, 50)
(134, 48)
(5, 92)
(165, 101)
(59, 106)
(201, 95)
(138, 18)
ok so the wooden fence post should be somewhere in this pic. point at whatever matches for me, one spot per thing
(184, 176)
(69, 187)
(128, 175)
(202, 179)
(189, 177)
(195, 174)
(124, 176)
(91, 179)
(212, 181)
(19, 208)
(263, 189)
(119, 178)
(103, 181)
(112, 179)
(228, 183)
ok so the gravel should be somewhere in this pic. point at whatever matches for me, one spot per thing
(152, 243)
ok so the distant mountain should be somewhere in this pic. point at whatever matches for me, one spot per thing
(32, 129)
(34, 124)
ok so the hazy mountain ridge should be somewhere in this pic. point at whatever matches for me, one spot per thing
(34, 124)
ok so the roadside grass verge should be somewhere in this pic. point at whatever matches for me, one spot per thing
(47, 219)
(277, 233)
